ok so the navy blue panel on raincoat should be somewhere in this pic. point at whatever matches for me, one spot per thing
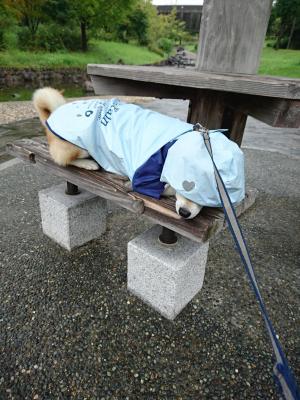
(150, 149)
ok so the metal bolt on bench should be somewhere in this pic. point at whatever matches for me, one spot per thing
(167, 236)
(72, 189)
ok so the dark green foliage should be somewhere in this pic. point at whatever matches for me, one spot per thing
(138, 23)
(58, 24)
(166, 45)
(92, 15)
(53, 25)
(134, 27)
(284, 24)
(8, 29)
(160, 32)
(50, 37)
(58, 11)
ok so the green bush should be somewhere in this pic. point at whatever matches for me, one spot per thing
(160, 32)
(166, 45)
(8, 30)
(71, 38)
(1, 41)
(50, 37)
(10, 39)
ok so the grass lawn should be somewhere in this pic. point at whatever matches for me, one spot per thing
(280, 63)
(275, 62)
(100, 53)
(21, 94)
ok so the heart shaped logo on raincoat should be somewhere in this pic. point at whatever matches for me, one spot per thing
(188, 186)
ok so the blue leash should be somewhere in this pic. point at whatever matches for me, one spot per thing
(283, 375)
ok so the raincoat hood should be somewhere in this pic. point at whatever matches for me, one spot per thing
(189, 169)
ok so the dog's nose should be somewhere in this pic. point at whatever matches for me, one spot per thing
(184, 212)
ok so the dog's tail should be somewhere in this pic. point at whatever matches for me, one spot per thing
(46, 100)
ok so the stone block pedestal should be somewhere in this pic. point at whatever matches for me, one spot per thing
(165, 277)
(72, 221)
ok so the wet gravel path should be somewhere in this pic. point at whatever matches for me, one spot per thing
(70, 330)
(12, 111)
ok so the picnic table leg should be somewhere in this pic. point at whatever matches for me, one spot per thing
(209, 108)
(234, 50)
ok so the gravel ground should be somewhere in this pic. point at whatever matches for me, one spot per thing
(12, 111)
(70, 330)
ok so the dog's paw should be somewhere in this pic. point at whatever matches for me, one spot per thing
(168, 191)
(91, 165)
(86, 164)
(128, 186)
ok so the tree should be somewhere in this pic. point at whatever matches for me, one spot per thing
(96, 14)
(164, 28)
(8, 28)
(134, 26)
(29, 12)
(285, 23)
(88, 15)
(176, 27)
(58, 11)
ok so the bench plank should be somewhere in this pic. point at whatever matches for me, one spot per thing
(112, 187)
(265, 86)
(275, 111)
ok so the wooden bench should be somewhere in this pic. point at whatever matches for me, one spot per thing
(111, 187)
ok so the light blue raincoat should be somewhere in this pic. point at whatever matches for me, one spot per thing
(128, 140)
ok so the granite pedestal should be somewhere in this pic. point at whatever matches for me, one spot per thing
(166, 277)
(72, 221)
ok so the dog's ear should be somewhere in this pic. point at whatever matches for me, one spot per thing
(62, 91)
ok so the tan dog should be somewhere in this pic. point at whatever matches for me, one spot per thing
(64, 153)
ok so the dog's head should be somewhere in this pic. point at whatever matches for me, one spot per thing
(186, 208)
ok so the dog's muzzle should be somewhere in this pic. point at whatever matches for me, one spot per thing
(184, 212)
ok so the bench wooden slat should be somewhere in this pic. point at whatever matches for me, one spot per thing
(275, 111)
(190, 78)
(112, 187)
(35, 151)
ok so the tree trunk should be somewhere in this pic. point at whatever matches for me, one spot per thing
(280, 35)
(291, 33)
(84, 44)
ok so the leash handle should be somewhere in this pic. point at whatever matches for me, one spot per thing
(282, 373)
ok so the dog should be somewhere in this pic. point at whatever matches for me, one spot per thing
(161, 156)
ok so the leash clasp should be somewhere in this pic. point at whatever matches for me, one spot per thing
(200, 128)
